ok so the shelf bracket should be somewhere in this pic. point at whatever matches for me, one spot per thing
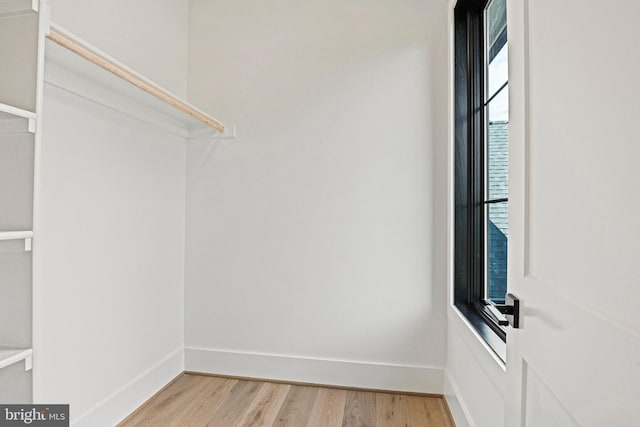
(229, 133)
(27, 245)
(28, 363)
(32, 125)
(207, 135)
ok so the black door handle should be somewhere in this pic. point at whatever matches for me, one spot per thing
(505, 314)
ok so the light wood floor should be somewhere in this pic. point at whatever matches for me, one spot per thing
(199, 401)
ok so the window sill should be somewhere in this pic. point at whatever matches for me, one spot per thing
(484, 331)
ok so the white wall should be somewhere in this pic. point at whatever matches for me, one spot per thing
(310, 237)
(150, 36)
(475, 380)
(108, 254)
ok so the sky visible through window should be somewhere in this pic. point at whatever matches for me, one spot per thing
(498, 75)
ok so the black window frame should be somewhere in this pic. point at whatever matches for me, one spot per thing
(469, 172)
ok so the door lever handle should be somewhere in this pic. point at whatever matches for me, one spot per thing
(505, 314)
(494, 311)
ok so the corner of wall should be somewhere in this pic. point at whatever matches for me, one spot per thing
(457, 407)
(126, 399)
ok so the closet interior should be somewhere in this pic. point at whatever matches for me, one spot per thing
(41, 233)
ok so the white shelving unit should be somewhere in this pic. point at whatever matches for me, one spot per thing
(8, 355)
(19, 49)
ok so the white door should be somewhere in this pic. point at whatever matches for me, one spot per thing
(575, 213)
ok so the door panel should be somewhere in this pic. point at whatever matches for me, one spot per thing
(584, 150)
(542, 407)
(588, 364)
(574, 214)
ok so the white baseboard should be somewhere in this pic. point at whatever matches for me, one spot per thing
(456, 405)
(122, 402)
(419, 379)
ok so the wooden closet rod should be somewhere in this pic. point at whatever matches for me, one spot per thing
(68, 41)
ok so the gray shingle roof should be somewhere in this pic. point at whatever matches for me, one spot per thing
(498, 169)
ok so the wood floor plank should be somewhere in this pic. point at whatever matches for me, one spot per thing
(234, 406)
(296, 409)
(393, 410)
(199, 401)
(444, 410)
(204, 404)
(426, 411)
(328, 410)
(171, 404)
(163, 405)
(266, 405)
(360, 410)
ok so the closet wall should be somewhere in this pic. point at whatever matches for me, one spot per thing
(109, 251)
(150, 36)
(311, 236)
(111, 226)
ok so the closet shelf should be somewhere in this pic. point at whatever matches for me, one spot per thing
(17, 7)
(73, 53)
(9, 356)
(16, 120)
(11, 112)
(16, 235)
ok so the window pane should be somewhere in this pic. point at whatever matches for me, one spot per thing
(499, 106)
(496, 150)
(496, 250)
(498, 71)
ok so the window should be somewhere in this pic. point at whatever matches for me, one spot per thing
(481, 163)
